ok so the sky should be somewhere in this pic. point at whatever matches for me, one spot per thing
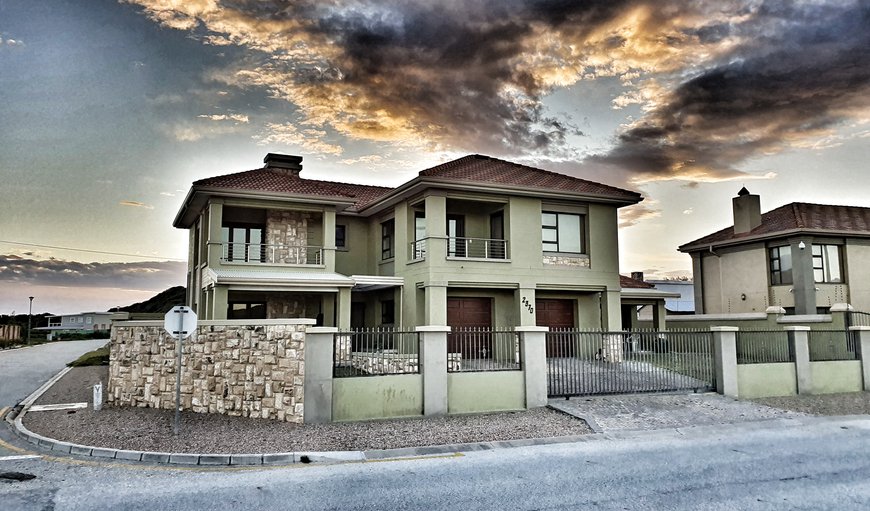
(109, 110)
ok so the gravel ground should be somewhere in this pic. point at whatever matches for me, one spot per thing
(151, 430)
(851, 403)
(76, 388)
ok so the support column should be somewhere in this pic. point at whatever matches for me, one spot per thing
(804, 284)
(317, 402)
(215, 239)
(343, 309)
(436, 304)
(533, 353)
(611, 310)
(329, 240)
(659, 315)
(725, 358)
(433, 366)
(218, 303)
(698, 282)
(524, 298)
(863, 337)
(436, 232)
(799, 347)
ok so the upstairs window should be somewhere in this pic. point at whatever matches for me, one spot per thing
(562, 232)
(388, 231)
(827, 264)
(340, 236)
(780, 266)
(244, 243)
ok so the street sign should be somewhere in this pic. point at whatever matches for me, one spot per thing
(181, 320)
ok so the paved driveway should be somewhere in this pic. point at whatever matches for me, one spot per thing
(636, 412)
(23, 370)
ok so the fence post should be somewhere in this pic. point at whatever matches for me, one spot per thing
(433, 365)
(317, 401)
(725, 357)
(533, 353)
(799, 347)
(863, 334)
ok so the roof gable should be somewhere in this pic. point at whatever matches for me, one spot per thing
(797, 216)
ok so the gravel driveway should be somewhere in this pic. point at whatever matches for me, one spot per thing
(151, 430)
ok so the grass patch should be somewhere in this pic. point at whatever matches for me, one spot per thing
(98, 357)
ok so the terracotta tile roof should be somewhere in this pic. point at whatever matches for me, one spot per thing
(279, 181)
(628, 282)
(477, 168)
(795, 216)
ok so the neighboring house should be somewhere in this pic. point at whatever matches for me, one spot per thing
(802, 257)
(684, 303)
(474, 242)
(643, 304)
(81, 323)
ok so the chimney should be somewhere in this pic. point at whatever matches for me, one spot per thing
(283, 163)
(747, 211)
(637, 275)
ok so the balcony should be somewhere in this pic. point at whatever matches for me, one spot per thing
(259, 253)
(473, 249)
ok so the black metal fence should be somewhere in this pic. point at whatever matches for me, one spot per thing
(763, 347)
(585, 363)
(828, 345)
(479, 349)
(376, 352)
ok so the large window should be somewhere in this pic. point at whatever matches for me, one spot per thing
(244, 242)
(780, 266)
(562, 232)
(388, 312)
(388, 231)
(827, 264)
(246, 310)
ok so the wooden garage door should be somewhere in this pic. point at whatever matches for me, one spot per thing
(465, 315)
(558, 315)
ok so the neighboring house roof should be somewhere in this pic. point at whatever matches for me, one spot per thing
(792, 218)
(469, 170)
(628, 282)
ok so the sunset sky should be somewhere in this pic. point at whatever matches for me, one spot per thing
(109, 110)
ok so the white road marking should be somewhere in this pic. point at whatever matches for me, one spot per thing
(19, 457)
(60, 406)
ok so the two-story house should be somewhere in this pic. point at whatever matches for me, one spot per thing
(474, 242)
(801, 257)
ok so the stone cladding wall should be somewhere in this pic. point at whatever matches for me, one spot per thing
(287, 231)
(562, 260)
(240, 370)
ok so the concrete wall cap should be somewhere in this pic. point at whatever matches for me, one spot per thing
(742, 316)
(433, 328)
(859, 328)
(224, 322)
(774, 310)
(806, 318)
(531, 329)
(321, 330)
(797, 328)
(724, 329)
(841, 307)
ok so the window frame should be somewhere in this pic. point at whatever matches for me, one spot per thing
(388, 239)
(248, 227)
(822, 259)
(775, 268)
(249, 305)
(581, 219)
(343, 237)
(388, 312)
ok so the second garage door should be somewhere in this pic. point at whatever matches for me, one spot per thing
(558, 315)
(464, 315)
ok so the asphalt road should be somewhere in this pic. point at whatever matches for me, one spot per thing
(807, 463)
(24, 370)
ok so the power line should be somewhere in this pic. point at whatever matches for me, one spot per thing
(91, 251)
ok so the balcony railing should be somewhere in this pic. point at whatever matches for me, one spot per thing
(418, 250)
(271, 254)
(476, 248)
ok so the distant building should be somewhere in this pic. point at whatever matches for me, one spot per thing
(81, 323)
(685, 304)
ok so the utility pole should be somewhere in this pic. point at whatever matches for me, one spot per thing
(29, 314)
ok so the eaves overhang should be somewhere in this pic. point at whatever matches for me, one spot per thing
(198, 197)
(745, 240)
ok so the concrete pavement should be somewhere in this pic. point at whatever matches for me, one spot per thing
(24, 370)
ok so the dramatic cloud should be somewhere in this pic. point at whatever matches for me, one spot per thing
(154, 275)
(309, 139)
(633, 214)
(226, 117)
(718, 82)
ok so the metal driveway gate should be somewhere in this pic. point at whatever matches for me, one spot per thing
(584, 363)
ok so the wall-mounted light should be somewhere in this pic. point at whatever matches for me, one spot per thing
(743, 296)
(802, 245)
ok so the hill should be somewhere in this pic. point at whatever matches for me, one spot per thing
(159, 303)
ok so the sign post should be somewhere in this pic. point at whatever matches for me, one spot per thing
(179, 322)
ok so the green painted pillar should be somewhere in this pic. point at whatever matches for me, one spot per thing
(725, 359)
(525, 303)
(219, 303)
(214, 244)
(433, 366)
(318, 374)
(804, 283)
(436, 304)
(328, 258)
(343, 309)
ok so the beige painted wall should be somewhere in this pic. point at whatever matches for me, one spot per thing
(766, 380)
(485, 392)
(377, 397)
(733, 275)
(857, 259)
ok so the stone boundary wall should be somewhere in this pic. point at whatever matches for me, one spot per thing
(228, 367)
